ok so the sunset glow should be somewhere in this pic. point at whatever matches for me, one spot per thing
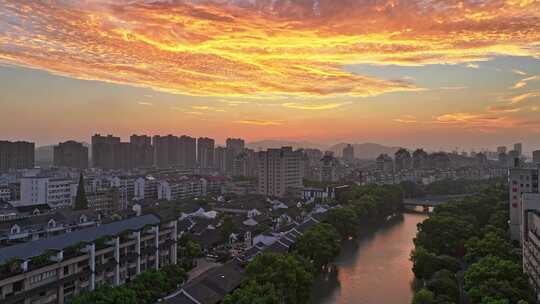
(310, 56)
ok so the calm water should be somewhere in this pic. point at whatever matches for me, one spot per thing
(374, 269)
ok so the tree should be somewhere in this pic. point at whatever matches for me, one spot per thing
(81, 202)
(444, 234)
(424, 263)
(423, 296)
(290, 276)
(252, 293)
(490, 244)
(345, 220)
(150, 286)
(444, 285)
(107, 295)
(175, 275)
(320, 244)
(226, 228)
(495, 278)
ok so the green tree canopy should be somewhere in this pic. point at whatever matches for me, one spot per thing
(320, 244)
(345, 220)
(81, 202)
(444, 234)
(253, 293)
(494, 278)
(423, 296)
(491, 243)
(290, 276)
(107, 295)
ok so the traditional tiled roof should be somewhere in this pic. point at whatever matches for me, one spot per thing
(211, 286)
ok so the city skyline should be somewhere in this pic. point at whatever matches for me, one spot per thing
(418, 73)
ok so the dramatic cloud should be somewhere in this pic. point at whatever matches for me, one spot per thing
(260, 47)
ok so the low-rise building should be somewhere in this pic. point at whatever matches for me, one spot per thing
(53, 270)
(42, 225)
(146, 188)
(181, 188)
(56, 192)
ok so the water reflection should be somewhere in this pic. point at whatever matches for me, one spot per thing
(374, 269)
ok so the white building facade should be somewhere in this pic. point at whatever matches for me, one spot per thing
(56, 192)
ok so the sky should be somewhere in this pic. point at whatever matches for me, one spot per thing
(441, 74)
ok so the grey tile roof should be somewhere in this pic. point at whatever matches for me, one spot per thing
(211, 286)
(35, 248)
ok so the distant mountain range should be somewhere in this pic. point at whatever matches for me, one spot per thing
(361, 151)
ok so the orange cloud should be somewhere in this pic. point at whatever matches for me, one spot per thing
(260, 122)
(523, 97)
(407, 119)
(260, 47)
(314, 106)
(468, 120)
(522, 83)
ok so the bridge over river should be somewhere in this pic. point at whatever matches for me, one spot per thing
(427, 203)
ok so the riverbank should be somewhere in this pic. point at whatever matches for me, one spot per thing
(371, 265)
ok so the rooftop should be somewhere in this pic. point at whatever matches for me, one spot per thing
(36, 248)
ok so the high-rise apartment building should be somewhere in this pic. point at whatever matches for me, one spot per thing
(403, 160)
(105, 151)
(348, 153)
(16, 155)
(385, 163)
(188, 152)
(235, 144)
(279, 170)
(536, 157)
(71, 154)
(420, 159)
(166, 151)
(518, 148)
(501, 149)
(142, 152)
(329, 171)
(205, 153)
(234, 147)
(245, 164)
(220, 159)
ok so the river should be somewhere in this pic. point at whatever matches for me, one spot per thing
(375, 269)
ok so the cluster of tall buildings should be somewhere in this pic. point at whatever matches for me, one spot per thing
(109, 152)
(16, 155)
